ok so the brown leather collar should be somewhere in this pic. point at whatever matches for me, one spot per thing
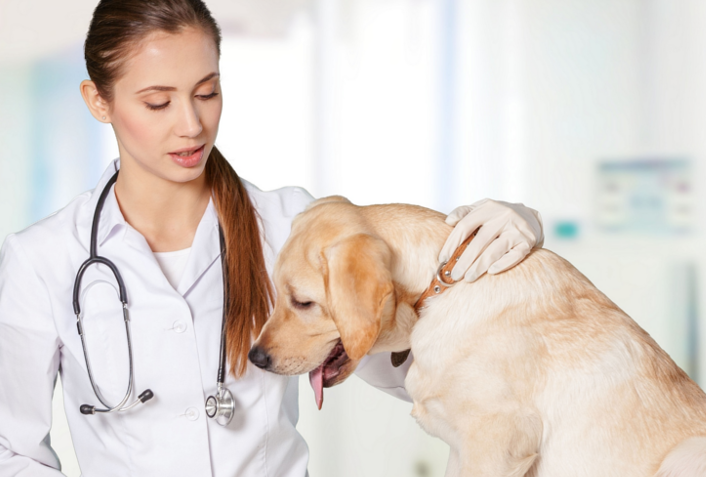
(438, 286)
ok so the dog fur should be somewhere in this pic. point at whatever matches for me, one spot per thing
(531, 372)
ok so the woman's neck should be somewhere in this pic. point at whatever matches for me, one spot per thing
(166, 213)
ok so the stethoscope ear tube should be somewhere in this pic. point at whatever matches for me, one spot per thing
(146, 395)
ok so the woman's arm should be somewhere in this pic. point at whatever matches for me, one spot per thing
(29, 361)
(377, 370)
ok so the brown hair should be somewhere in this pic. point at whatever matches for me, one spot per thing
(116, 28)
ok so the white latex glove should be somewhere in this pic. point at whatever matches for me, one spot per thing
(508, 232)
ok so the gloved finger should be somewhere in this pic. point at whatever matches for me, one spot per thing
(461, 232)
(511, 258)
(487, 234)
(458, 213)
(490, 255)
(463, 210)
(455, 238)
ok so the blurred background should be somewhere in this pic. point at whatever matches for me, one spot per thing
(590, 111)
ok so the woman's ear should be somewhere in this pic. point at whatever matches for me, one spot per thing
(98, 107)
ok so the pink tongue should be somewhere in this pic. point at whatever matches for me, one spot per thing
(316, 378)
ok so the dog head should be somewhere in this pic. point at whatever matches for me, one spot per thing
(334, 290)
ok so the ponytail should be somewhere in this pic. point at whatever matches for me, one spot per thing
(250, 294)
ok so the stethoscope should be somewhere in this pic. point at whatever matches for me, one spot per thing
(219, 406)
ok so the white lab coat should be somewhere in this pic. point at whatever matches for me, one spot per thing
(175, 337)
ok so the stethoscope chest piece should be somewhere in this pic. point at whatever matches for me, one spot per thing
(221, 406)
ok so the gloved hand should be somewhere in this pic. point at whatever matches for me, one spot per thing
(508, 232)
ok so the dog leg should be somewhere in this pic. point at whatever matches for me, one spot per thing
(501, 445)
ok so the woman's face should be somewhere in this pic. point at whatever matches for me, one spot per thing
(167, 105)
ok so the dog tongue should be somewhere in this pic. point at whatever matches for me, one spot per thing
(316, 379)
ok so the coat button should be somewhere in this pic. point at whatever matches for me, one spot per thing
(192, 414)
(179, 326)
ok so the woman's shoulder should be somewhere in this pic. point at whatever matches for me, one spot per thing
(286, 202)
(277, 209)
(50, 233)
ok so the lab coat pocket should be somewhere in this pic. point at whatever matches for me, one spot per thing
(106, 340)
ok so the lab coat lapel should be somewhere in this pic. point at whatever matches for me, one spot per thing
(112, 222)
(204, 251)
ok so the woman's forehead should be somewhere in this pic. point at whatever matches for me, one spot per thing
(175, 60)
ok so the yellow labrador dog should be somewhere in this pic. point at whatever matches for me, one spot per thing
(531, 372)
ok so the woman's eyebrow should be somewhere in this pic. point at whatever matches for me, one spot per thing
(207, 77)
(172, 88)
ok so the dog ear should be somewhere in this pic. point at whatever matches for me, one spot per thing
(358, 284)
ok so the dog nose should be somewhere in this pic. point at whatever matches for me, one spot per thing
(259, 358)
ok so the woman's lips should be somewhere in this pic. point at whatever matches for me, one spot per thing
(192, 158)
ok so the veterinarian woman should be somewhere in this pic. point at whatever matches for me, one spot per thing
(154, 237)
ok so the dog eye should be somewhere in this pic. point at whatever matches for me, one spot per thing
(302, 305)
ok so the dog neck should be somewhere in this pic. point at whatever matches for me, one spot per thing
(415, 243)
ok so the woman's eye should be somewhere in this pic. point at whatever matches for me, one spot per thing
(302, 305)
(157, 107)
(206, 97)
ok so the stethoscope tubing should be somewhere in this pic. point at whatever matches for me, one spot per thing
(77, 284)
(221, 405)
(93, 257)
(220, 380)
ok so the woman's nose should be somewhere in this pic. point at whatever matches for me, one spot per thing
(189, 123)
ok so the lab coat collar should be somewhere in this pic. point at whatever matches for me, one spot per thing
(111, 221)
(205, 248)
